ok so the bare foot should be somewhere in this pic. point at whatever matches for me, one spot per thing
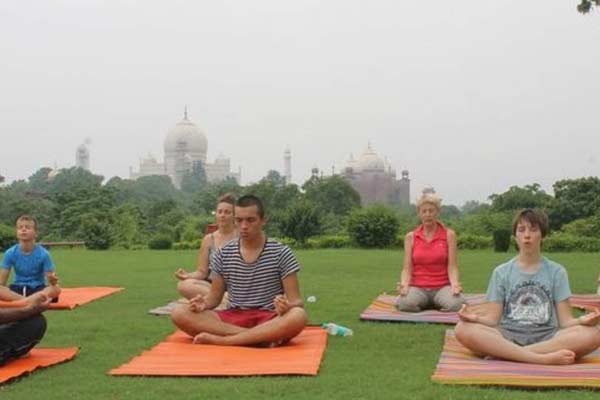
(209, 338)
(560, 357)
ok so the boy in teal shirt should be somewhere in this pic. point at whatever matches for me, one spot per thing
(528, 317)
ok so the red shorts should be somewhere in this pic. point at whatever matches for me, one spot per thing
(246, 318)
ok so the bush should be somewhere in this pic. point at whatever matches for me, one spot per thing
(160, 242)
(375, 226)
(191, 245)
(96, 234)
(7, 237)
(332, 241)
(287, 241)
(300, 221)
(501, 240)
(473, 242)
(559, 241)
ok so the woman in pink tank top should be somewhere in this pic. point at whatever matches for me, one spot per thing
(430, 277)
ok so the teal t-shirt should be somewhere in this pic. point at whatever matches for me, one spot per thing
(529, 300)
(30, 269)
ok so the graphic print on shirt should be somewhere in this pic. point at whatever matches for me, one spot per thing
(530, 303)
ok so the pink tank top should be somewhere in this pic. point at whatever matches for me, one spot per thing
(430, 259)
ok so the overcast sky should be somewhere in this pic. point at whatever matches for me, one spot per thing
(470, 97)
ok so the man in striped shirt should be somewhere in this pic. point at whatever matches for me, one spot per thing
(260, 275)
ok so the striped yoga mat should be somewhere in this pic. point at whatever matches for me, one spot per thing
(383, 309)
(458, 366)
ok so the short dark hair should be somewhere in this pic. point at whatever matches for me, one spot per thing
(535, 217)
(250, 200)
(26, 217)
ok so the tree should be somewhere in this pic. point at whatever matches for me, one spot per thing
(193, 181)
(39, 180)
(585, 6)
(127, 228)
(300, 221)
(205, 201)
(473, 207)
(574, 199)
(374, 226)
(332, 194)
(516, 198)
(274, 193)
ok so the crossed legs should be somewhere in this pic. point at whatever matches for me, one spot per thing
(567, 345)
(207, 327)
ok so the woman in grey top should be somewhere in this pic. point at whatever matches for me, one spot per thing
(194, 283)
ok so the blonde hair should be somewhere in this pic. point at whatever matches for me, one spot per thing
(430, 198)
(27, 218)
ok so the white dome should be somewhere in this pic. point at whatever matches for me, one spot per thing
(369, 160)
(187, 135)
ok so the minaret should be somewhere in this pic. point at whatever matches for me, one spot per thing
(82, 155)
(287, 166)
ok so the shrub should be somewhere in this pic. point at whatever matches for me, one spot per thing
(191, 245)
(559, 241)
(332, 241)
(96, 234)
(375, 226)
(472, 242)
(287, 241)
(300, 221)
(7, 237)
(160, 242)
(501, 240)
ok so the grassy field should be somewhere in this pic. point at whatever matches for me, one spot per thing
(381, 360)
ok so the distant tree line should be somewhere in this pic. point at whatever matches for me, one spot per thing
(324, 212)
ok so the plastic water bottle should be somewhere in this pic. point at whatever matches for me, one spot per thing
(337, 330)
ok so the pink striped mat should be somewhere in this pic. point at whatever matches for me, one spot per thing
(458, 366)
(383, 309)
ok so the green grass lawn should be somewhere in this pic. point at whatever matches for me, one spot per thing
(381, 360)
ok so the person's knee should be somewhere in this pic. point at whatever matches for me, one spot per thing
(180, 315)
(183, 287)
(464, 331)
(405, 303)
(39, 326)
(453, 303)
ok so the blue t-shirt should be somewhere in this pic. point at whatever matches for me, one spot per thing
(30, 269)
(529, 300)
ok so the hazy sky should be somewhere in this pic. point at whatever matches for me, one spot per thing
(470, 97)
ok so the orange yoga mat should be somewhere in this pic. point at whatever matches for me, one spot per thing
(177, 356)
(37, 358)
(72, 297)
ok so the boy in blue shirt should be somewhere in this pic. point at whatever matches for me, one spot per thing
(31, 262)
(528, 317)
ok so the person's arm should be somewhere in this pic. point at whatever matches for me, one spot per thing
(212, 299)
(488, 315)
(8, 295)
(566, 319)
(34, 304)
(291, 295)
(203, 261)
(406, 274)
(201, 271)
(4, 272)
(453, 274)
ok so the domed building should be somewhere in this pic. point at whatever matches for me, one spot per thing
(375, 180)
(185, 146)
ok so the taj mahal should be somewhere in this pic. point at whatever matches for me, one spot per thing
(185, 146)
